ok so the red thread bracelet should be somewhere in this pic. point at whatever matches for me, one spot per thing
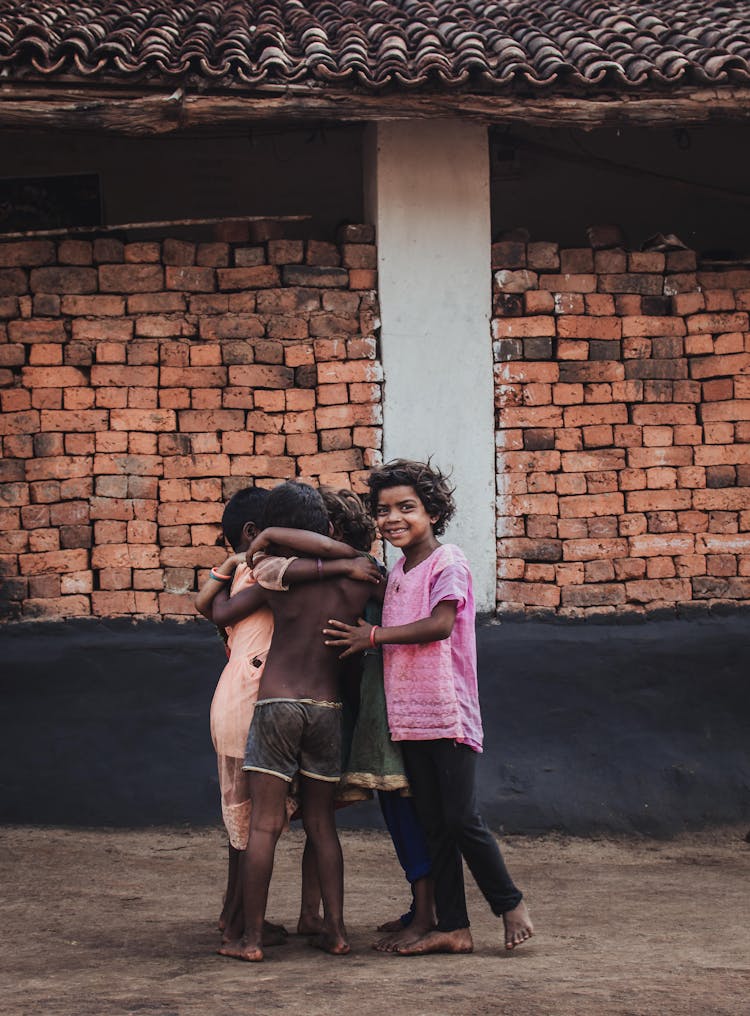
(374, 628)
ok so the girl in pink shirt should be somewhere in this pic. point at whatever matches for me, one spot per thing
(430, 675)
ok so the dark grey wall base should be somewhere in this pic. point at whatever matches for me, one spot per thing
(588, 728)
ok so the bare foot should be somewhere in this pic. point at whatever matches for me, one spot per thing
(518, 926)
(309, 924)
(251, 952)
(405, 936)
(274, 934)
(458, 941)
(392, 926)
(331, 942)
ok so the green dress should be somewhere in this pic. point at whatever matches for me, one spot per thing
(375, 761)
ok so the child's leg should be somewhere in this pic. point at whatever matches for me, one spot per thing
(310, 921)
(235, 809)
(267, 821)
(457, 768)
(233, 894)
(318, 817)
(412, 850)
(425, 778)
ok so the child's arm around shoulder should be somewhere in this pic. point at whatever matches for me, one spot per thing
(215, 603)
(327, 559)
(301, 541)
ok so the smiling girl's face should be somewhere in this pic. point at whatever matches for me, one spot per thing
(403, 520)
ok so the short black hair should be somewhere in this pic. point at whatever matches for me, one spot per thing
(430, 485)
(296, 505)
(349, 517)
(245, 506)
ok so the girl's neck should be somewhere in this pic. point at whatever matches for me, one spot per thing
(419, 552)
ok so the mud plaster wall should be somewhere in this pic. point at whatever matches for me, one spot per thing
(143, 383)
(596, 726)
(622, 390)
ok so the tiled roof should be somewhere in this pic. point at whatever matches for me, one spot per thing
(372, 44)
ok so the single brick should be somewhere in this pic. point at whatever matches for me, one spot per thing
(568, 283)
(259, 277)
(63, 280)
(515, 281)
(178, 252)
(129, 278)
(26, 253)
(316, 277)
(102, 330)
(190, 279)
(362, 279)
(595, 594)
(13, 282)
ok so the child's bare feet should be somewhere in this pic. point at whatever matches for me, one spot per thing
(251, 952)
(333, 942)
(405, 936)
(310, 924)
(273, 934)
(392, 926)
(518, 926)
(458, 941)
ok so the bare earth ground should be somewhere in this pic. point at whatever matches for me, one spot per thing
(106, 923)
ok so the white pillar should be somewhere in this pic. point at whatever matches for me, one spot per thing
(427, 192)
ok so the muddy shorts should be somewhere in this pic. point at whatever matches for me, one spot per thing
(288, 736)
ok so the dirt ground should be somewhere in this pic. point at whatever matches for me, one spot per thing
(107, 923)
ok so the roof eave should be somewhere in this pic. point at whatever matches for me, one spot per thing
(143, 109)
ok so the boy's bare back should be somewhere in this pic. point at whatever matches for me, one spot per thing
(299, 664)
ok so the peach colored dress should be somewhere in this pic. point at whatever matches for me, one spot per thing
(232, 709)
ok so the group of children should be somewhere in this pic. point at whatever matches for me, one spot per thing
(323, 700)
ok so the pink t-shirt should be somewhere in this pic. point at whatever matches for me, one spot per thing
(431, 689)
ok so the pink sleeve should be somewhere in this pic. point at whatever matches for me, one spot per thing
(451, 583)
(269, 571)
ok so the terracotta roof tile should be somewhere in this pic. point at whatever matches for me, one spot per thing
(372, 44)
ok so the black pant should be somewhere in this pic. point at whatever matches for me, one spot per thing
(441, 775)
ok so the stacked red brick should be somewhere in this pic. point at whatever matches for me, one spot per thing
(143, 383)
(622, 386)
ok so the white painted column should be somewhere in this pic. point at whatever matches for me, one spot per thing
(427, 192)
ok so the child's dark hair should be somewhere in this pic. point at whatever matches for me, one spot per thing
(431, 487)
(296, 506)
(349, 518)
(245, 506)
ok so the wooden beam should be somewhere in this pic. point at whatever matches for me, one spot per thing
(149, 113)
(143, 226)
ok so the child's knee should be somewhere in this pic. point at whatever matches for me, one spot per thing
(267, 824)
(318, 824)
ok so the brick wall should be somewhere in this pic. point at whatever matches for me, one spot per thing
(143, 383)
(622, 385)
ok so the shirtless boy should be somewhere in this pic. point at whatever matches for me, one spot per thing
(296, 728)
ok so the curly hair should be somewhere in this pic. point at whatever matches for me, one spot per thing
(349, 517)
(430, 485)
